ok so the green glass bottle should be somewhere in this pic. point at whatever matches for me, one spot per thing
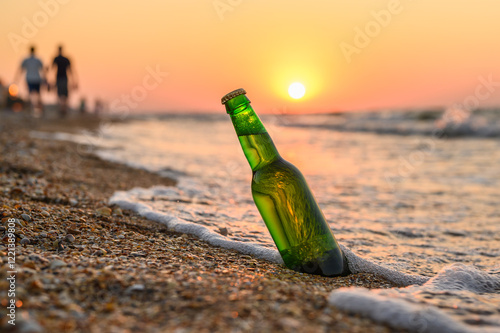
(283, 198)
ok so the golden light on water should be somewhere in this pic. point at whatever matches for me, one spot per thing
(296, 90)
(13, 90)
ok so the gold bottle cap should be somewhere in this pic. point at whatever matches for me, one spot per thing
(233, 94)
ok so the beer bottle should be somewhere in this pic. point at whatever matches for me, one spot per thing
(283, 198)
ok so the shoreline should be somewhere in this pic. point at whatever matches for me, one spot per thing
(90, 267)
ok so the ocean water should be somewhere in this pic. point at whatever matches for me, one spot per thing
(411, 196)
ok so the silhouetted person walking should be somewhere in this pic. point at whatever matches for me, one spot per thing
(34, 78)
(63, 69)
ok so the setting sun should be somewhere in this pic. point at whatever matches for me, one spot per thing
(296, 90)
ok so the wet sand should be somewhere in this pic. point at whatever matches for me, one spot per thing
(84, 266)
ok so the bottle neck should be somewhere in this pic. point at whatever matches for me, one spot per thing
(257, 145)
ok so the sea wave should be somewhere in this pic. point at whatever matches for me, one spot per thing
(439, 123)
(456, 287)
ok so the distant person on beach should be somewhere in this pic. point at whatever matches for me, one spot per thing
(83, 106)
(98, 107)
(63, 66)
(33, 67)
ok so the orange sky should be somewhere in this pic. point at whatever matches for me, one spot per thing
(410, 53)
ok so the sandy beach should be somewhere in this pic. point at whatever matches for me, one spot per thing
(84, 266)
(131, 164)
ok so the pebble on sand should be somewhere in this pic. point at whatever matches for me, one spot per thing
(223, 231)
(69, 238)
(135, 287)
(57, 264)
(25, 241)
(100, 252)
(103, 211)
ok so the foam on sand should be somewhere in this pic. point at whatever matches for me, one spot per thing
(407, 308)
(130, 200)
(125, 200)
(358, 264)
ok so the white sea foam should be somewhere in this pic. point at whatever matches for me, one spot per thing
(130, 200)
(409, 308)
(126, 201)
(450, 123)
(396, 312)
(358, 264)
(459, 277)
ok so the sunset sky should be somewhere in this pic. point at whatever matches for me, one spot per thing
(350, 55)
